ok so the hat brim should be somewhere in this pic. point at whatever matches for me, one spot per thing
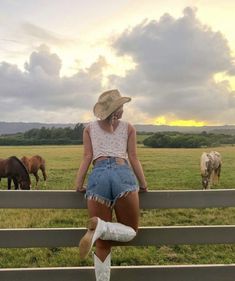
(102, 114)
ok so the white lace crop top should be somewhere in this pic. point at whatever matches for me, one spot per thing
(109, 144)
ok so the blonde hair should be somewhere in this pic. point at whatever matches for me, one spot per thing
(113, 117)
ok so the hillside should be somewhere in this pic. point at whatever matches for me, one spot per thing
(226, 129)
(7, 128)
(19, 127)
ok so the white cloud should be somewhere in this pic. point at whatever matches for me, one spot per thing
(40, 88)
(44, 62)
(176, 61)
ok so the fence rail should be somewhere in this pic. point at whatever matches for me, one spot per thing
(147, 236)
(151, 200)
(169, 235)
(127, 273)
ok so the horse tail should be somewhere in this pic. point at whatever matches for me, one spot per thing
(219, 171)
(43, 169)
(42, 166)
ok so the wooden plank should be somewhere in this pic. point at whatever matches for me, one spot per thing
(51, 199)
(185, 235)
(46, 199)
(70, 237)
(48, 274)
(171, 199)
(137, 273)
(44, 237)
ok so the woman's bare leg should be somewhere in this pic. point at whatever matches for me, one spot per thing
(96, 209)
(127, 210)
(127, 213)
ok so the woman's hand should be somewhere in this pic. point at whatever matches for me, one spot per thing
(143, 189)
(81, 189)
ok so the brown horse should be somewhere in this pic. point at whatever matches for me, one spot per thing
(13, 169)
(34, 164)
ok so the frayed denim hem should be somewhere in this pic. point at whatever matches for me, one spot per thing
(107, 202)
(99, 199)
(122, 194)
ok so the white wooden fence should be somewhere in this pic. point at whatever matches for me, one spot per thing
(170, 235)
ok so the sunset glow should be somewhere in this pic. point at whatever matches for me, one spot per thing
(162, 120)
(223, 77)
(187, 123)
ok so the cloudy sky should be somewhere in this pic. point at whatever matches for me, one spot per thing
(175, 58)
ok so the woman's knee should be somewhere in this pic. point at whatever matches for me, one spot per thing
(136, 229)
(133, 232)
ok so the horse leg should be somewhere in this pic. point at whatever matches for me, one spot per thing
(207, 182)
(37, 178)
(216, 176)
(212, 178)
(9, 183)
(15, 183)
(44, 174)
(218, 172)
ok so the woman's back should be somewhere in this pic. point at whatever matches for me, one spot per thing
(106, 143)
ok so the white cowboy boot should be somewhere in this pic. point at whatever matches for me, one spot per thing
(102, 269)
(116, 231)
(95, 228)
(99, 229)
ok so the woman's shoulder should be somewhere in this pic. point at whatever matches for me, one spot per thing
(130, 128)
(126, 123)
(91, 124)
(129, 125)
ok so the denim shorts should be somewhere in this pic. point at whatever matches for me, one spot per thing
(109, 180)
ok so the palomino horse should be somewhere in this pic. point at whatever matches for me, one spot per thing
(34, 164)
(13, 169)
(210, 168)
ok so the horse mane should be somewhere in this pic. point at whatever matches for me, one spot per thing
(21, 164)
(203, 163)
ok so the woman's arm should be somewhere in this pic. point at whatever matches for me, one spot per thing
(86, 161)
(134, 161)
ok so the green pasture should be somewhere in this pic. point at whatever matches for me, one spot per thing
(164, 169)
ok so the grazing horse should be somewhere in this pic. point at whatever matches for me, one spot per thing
(34, 164)
(13, 169)
(210, 166)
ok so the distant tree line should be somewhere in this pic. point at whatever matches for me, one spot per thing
(186, 140)
(44, 136)
(68, 135)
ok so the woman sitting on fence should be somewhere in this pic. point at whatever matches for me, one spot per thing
(112, 185)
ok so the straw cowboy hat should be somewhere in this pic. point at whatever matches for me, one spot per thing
(108, 102)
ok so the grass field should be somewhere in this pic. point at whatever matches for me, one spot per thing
(164, 169)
